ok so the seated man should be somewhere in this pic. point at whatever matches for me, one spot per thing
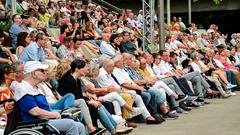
(33, 105)
(35, 50)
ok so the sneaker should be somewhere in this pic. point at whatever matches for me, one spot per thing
(121, 129)
(230, 86)
(179, 110)
(231, 93)
(136, 111)
(181, 98)
(192, 98)
(170, 115)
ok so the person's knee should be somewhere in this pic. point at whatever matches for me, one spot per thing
(70, 96)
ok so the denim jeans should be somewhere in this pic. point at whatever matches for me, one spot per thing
(146, 97)
(67, 101)
(231, 77)
(106, 119)
(158, 96)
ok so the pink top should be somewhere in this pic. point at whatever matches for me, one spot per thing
(224, 62)
(61, 39)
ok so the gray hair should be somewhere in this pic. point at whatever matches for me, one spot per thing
(92, 68)
(117, 58)
(107, 63)
(194, 55)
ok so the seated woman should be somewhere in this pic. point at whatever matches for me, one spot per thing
(111, 94)
(59, 103)
(91, 32)
(70, 83)
(7, 75)
(198, 65)
(23, 40)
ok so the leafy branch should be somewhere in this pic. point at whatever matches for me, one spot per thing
(214, 1)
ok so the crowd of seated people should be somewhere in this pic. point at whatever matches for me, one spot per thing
(97, 64)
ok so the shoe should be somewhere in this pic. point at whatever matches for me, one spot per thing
(193, 104)
(226, 95)
(98, 131)
(191, 98)
(231, 93)
(153, 122)
(230, 86)
(131, 124)
(184, 106)
(136, 111)
(199, 99)
(179, 110)
(120, 129)
(181, 98)
(170, 115)
(158, 118)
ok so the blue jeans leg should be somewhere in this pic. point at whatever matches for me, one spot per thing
(146, 97)
(231, 77)
(67, 101)
(106, 119)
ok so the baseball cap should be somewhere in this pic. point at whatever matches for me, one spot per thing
(31, 66)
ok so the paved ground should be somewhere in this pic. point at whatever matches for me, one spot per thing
(221, 117)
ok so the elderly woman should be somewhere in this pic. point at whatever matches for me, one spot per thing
(60, 103)
(70, 83)
(111, 94)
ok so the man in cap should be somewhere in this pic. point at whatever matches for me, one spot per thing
(33, 105)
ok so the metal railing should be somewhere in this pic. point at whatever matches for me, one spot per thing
(107, 5)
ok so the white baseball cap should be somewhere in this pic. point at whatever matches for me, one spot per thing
(31, 66)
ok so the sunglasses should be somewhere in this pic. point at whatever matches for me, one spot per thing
(41, 70)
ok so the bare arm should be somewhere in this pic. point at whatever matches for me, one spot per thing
(133, 87)
(43, 114)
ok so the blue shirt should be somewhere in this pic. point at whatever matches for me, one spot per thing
(33, 53)
(27, 98)
(106, 48)
(14, 31)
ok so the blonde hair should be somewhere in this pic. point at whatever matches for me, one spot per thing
(50, 70)
(62, 68)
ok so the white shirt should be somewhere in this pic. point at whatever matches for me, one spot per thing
(196, 67)
(165, 67)
(24, 88)
(158, 71)
(219, 63)
(122, 76)
(171, 45)
(105, 80)
(47, 93)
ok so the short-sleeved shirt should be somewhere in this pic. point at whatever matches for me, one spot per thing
(27, 98)
(122, 76)
(105, 80)
(33, 53)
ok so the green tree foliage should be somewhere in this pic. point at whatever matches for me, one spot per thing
(214, 1)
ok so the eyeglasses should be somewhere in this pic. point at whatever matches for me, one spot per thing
(41, 70)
